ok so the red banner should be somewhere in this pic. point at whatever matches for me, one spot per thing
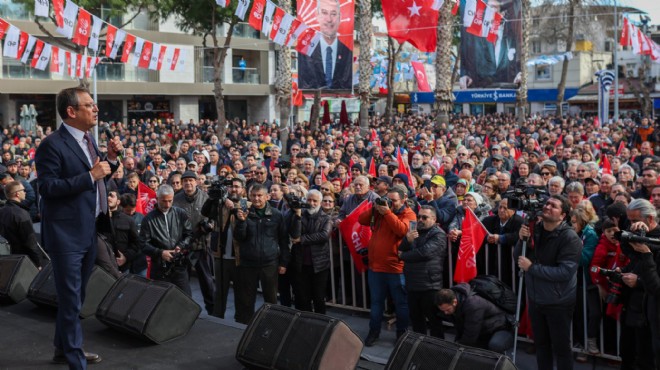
(38, 48)
(58, 8)
(3, 28)
(22, 43)
(420, 74)
(128, 46)
(277, 20)
(357, 236)
(110, 34)
(83, 28)
(145, 59)
(146, 199)
(471, 241)
(257, 14)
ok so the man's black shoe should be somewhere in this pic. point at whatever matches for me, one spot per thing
(371, 338)
(92, 358)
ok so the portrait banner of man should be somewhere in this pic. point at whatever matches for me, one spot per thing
(491, 64)
(330, 66)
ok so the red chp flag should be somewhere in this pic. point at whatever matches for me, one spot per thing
(420, 74)
(494, 31)
(625, 33)
(277, 20)
(473, 19)
(83, 28)
(146, 199)
(257, 14)
(145, 59)
(3, 28)
(357, 236)
(471, 241)
(128, 46)
(403, 167)
(415, 22)
(58, 8)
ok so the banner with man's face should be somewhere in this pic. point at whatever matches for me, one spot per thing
(330, 66)
(491, 43)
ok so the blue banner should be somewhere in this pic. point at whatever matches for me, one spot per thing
(497, 96)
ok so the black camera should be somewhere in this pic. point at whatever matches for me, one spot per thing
(283, 164)
(217, 188)
(528, 198)
(640, 237)
(614, 286)
(205, 226)
(179, 259)
(613, 275)
(295, 202)
(383, 201)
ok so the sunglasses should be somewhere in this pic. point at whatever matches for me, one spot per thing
(545, 173)
(328, 201)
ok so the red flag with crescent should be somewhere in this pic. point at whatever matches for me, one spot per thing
(420, 74)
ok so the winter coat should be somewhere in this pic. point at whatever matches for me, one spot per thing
(314, 241)
(263, 240)
(475, 318)
(424, 259)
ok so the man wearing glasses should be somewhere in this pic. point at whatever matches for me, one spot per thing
(16, 225)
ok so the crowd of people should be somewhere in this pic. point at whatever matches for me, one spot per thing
(272, 219)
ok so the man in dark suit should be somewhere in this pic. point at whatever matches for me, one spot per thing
(486, 64)
(331, 64)
(72, 178)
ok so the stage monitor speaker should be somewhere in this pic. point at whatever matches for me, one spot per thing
(16, 274)
(282, 338)
(151, 310)
(420, 352)
(42, 290)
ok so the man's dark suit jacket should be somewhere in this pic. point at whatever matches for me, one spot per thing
(311, 73)
(510, 232)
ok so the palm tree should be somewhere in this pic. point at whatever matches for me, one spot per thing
(364, 19)
(522, 91)
(443, 69)
(283, 84)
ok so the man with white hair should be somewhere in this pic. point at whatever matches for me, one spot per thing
(602, 199)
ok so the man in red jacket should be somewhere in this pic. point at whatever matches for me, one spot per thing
(390, 224)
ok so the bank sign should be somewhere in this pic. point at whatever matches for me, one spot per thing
(485, 96)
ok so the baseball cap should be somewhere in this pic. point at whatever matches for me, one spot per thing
(189, 175)
(438, 180)
(498, 157)
(462, 182)
(385, 179)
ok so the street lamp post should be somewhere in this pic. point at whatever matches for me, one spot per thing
(616, 64)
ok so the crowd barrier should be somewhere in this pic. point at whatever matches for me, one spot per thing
(349, 290)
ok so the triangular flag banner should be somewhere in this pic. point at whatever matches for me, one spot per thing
(471, 240)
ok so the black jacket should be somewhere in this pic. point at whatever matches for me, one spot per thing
(314, 243)
(500, 263)
(424, 259)
(16, 227)
(476, 319)
(125, 239)
(264, 240)
(648, 271)
(555, 255)
(193, 207)
(157, 234)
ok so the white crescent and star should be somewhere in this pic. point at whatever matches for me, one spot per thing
(414, 9)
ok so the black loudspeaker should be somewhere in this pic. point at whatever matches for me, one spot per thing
(16, 274)
(286, 339)
(420, 352)
(151, 310)
(42, 290)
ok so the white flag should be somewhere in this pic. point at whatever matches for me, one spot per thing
(91, 68)
(73, 65)
(119, 39)
(181, 64)
(634, 40)
(44, 58)
(70, 15)
(221, 3)
(169, 55)
(242, 8)
(268, 18)
(285, 25)
(469, 12)
(488, 20)
(28, 48)
(41, 8)
(296, 34)
(155, 53)
(83, 65)
(61, 62)
(97, 23)
(137, 53)
(437, 4)
(11, 42)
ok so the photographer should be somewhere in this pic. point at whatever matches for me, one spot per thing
(550, 266)
(389, 219)
(165, 235)
(311, 255)
(191, 200)
(643, 219)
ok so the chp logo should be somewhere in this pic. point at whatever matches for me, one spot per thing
(258, 10)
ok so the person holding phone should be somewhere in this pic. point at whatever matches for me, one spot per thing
(423, 252)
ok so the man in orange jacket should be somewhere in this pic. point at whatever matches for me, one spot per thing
(389, 224)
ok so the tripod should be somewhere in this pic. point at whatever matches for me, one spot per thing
(530, 220)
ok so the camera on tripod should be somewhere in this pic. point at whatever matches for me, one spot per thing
(295, 202)
(525, 197)
(217, 187)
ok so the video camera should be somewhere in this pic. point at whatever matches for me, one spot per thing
(640, 237)
(520, 197)
(217, 187)
(283, 165)
(295, 202)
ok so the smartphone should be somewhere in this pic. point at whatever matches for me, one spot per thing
(244, 206)
(413, 225)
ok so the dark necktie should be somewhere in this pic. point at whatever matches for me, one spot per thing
(328, 66)
(101, 191)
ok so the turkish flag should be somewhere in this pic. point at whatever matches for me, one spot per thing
(357, 236)
(420, 74)
(372, 168)
(257, 14)
(471, 241)
(412, 20)
(146, 199)
(83, 27)
(625, 33)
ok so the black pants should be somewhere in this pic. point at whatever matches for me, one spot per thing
(178, 276)
(225, 274)
(285, 284)
(636, 347)
(421, 307)
(311, 287)
(204, 269)
(245, 289)
(552, 335)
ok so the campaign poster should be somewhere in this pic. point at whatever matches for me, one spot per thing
(330, 66)
(490, 62)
